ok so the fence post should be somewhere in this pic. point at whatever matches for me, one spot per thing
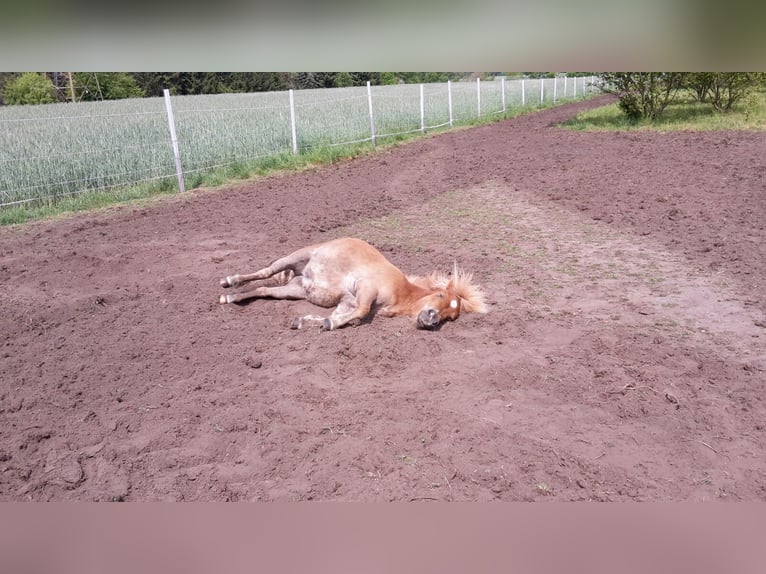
(422, 112)
(372, 120)
(565, 86)
(542, 90)
(174, 141)
(292, 123)
(449, 100)
(556, 81)
(523, 99)
(574, 87)
(502, 93)
(478, 98)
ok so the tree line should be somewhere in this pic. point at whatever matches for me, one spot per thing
(641, 94)
(48, 87)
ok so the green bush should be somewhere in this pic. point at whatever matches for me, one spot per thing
(343, 80)
(728, 88)
(92, 86)
(29, 88)
(642, 94)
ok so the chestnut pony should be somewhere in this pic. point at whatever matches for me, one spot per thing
(355, 278)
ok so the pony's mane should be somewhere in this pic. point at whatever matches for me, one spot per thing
(473, 298)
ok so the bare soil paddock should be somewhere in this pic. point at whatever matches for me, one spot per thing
(623, 357)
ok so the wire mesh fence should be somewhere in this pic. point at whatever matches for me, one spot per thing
(58, 150)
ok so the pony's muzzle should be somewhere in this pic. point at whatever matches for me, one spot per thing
(428, 319)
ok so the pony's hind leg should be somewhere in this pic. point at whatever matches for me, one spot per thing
(295, 262)
(293, 290)
(280, 277)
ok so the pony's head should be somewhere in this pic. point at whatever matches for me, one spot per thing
(450, 296)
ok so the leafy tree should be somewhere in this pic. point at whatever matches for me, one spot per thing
(6, 77)
(343, 80)
(258, 81)
(388, 79)
(699, 84)
(643, 94)
(723, 89)
(178, 83)
(727, 88)
(307, 80)
(29, 88)
(152, 83)
(119, 85)
(361, 78)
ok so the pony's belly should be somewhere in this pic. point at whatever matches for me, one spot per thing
(321, 293)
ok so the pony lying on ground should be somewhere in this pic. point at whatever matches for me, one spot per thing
(355, 278)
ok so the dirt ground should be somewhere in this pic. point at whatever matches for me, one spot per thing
(623, 356)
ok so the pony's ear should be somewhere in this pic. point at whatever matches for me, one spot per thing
(454, 275)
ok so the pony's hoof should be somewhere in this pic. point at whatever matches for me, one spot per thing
(225, 299)
(327, 325)
(227, 282)
(296, 323)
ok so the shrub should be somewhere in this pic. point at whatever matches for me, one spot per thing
(642, 94)
(727, 88)
(106, 86)
(343, 80)
(29, 88)
(699, 84)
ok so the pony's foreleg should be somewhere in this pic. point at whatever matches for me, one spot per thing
(294, 262)
(293, 290)
(350, 312)
(307, 321)
(339, 319)
(343, 315)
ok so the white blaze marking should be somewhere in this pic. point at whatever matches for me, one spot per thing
(453, 303)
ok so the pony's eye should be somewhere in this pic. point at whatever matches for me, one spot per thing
(441, 295)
